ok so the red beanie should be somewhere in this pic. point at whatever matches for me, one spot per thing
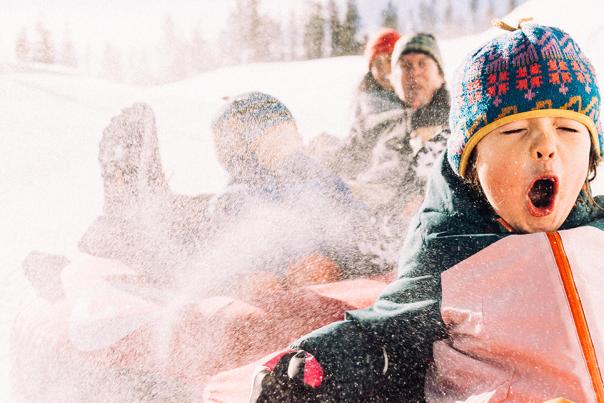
(382, 42)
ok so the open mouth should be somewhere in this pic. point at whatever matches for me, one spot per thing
(542, 196)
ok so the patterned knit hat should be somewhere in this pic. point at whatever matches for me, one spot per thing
(534, 71)
(418, 43)
(381, 42)
(250, 114)
(244, 119)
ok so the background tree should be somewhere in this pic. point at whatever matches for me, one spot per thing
(293, 36)
(199, 57)
(491, 13)
(390, 16)
(232, 38)
(43, 48)
(67, 55)
(350, 29)
(137, 68)
(255, 38)
(270, 43)
(449, 18)
(23, 47)
(427, 15)
(172, 53)
(112, 67)
(314, 32)
(335, 28)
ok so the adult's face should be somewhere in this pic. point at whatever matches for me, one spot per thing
(420, 78)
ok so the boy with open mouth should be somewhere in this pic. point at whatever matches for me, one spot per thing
(499, 290)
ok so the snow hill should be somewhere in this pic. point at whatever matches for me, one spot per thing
(50, 188)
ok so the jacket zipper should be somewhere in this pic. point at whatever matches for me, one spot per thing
(576, 308)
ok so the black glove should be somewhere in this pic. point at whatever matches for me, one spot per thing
(290, 376)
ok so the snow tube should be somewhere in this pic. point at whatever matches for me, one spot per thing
(103, 335)
(525, 318)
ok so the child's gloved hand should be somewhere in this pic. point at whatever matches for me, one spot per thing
(290, 376)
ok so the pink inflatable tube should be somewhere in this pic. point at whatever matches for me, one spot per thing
(102, 338)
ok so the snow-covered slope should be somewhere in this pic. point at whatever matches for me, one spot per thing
(51, 123)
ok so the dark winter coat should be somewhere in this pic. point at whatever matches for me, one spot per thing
(372, 104)
(400, 159)
(276, 218)
(382, 353)
(401, 162)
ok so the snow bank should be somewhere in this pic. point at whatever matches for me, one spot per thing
(50, 188)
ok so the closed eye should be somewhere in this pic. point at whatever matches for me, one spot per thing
(568, 129)
(513, 131)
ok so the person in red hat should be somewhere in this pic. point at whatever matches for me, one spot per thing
(374, 96)
(378, 52)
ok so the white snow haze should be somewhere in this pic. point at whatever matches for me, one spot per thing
(52, 118)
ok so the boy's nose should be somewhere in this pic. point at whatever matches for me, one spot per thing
(543, 148)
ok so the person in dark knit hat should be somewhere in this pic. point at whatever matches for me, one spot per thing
(418, 77)
(508, 218)
(409, 140)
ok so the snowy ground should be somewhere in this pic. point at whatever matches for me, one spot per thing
(51, 123)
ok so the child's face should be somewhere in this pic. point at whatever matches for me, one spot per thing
(277, 144)
(532, 171)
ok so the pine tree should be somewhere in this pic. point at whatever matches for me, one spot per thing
(137, 69)
(491, 12)
(199, 54)
(292, 45)
(269, 42)
(427, 15)
(173, 53)
(68, 55)
(43, 49)
(112, 68)
(450, 25)
(350, 29)
(474, 17)
(411, 23)
(255, 37)
(232, 40)
(335, 28)
(251, 36)
(390, 16)
(23, 47)
(314, 32)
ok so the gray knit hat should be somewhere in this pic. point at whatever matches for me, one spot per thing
(418, 43)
